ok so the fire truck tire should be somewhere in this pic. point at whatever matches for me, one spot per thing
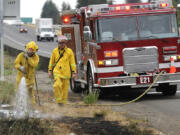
(167, 90)
(75, 86)
(90, 81)
(170, 91)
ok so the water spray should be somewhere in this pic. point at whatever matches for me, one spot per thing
(22, 105)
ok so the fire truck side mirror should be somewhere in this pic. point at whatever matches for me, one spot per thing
(87, 33)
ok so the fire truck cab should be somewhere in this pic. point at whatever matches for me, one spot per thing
(124, 45)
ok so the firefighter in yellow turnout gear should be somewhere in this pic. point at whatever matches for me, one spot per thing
(62, 63)
(25, 63)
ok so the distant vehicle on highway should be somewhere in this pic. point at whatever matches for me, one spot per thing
(44, 29)
(23, 30)
(18, 22)
(13, 22)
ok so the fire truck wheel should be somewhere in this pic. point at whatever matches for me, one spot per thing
(90, 81)
(75, 86)
(170, 91)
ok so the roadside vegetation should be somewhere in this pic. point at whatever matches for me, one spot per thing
(7, 91)
(7, 87)
(75, 120)
(8, 64)
(26, 127)
(91, 98)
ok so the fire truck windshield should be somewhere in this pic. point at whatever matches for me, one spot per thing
(136, 28)
(157, 26)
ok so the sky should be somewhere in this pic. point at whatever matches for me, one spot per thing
(33, 8)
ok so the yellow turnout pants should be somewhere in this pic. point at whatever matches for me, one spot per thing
(61, 87)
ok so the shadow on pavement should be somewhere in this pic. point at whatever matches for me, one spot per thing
(125, 95)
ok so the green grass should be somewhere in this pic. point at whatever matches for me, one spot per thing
(38, 67)
(91, 98)
(7, 91)
(7, 88)
(8, 64)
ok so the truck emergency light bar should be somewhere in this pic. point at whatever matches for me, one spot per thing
(128, 7)
(159, 4)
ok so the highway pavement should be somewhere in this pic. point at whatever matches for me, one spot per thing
(12, 37)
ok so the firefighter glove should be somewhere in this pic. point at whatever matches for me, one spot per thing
(26, 55)
(22, 69)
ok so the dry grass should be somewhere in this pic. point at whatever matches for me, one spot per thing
(92, 120)
(26, 127)
(8, 64)
(93, 114)
(7, 92)
(7, 87)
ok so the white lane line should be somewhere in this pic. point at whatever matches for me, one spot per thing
(160, 92)
(21, 44)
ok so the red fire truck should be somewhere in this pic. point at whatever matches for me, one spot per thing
(124, 45)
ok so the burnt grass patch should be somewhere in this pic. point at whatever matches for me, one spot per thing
(93, 126)
(99, 126)
(79, 126)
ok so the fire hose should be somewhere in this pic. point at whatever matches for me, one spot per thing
(121, 104)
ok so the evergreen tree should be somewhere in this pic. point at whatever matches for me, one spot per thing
(133, 1)
(50, 11)
(82, 3)
(65, 6)
(175, 2)
(91, 2)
